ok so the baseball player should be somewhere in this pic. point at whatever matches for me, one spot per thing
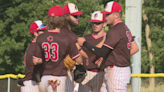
(115, 50)
(95, 76)
(72, 15)
(52, 48)
(30, 80)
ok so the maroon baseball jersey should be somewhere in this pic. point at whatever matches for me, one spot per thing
(30, 68)
(88, 63)
(52, 47)
(118, 39)
(69, 33)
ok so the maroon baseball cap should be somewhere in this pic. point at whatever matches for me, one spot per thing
(71, 9)
(37, 26)
(97, 16)
(55, 11)
(111, 7)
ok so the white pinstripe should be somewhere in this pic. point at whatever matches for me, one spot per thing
(45, 87)
(116, 79)
(70, 84)
(92, 82)
(30, 86)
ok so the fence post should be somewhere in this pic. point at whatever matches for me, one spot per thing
(8, 87)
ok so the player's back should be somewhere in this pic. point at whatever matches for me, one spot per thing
(69, 33)
(55, 46)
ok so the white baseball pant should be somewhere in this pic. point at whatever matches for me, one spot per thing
(117, 78)
(70, 83)
(30, 86)
(92, 82)
(45, 87)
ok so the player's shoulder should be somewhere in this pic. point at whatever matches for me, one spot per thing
(31, 46)
(88, 36)
(64, 30)
(119, 26)
(42, 35)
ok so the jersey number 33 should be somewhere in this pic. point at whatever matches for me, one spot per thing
(51, 51)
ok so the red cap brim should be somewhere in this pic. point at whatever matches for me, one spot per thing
(105, 12)
(95, 20)
(46, 27)
(77, 13)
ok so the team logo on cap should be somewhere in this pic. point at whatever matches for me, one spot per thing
(50, 38)
(52, 14)
(75, 8)
(95, 15)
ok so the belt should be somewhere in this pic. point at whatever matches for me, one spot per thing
(109, 67)
(94, 70)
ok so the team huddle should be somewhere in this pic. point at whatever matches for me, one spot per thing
(57, 59)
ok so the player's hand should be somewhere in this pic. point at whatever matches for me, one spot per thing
(81, 40)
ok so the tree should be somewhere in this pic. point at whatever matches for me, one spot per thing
(14, 27)
(153, 16)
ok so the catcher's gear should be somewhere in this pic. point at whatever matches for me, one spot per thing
(54, 83)
(69, 63)
(20, 83)
(79, 73)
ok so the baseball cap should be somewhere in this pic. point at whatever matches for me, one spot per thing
(71, 9)
(97, 16)
(55, 11)
(111, 7)
(37, 26)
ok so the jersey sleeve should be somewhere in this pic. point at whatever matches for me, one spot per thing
(72, 49)
(112, 38)
(38, 50)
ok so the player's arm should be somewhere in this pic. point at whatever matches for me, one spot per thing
(73, 52)
(78, 60)
(112, 38)
(86, 53)
(134, 48)
(37, 60)
(38, 54)
(101, 52)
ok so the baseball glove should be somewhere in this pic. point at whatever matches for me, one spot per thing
(69, 63)
(54, 83)
(20, 82)
(79, 73)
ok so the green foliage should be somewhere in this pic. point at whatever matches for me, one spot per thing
(155, 13)
(14, 27)
(15, 36)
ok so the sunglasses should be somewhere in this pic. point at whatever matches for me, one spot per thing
(97, 23)
(76, 16)
(107, 14)
(43, 25)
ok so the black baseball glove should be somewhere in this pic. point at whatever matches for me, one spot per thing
(20, 82)
(79, 73)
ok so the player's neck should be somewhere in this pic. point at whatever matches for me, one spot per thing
(35, 39)
(116, 21)
(97, 34)
(69, 27)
